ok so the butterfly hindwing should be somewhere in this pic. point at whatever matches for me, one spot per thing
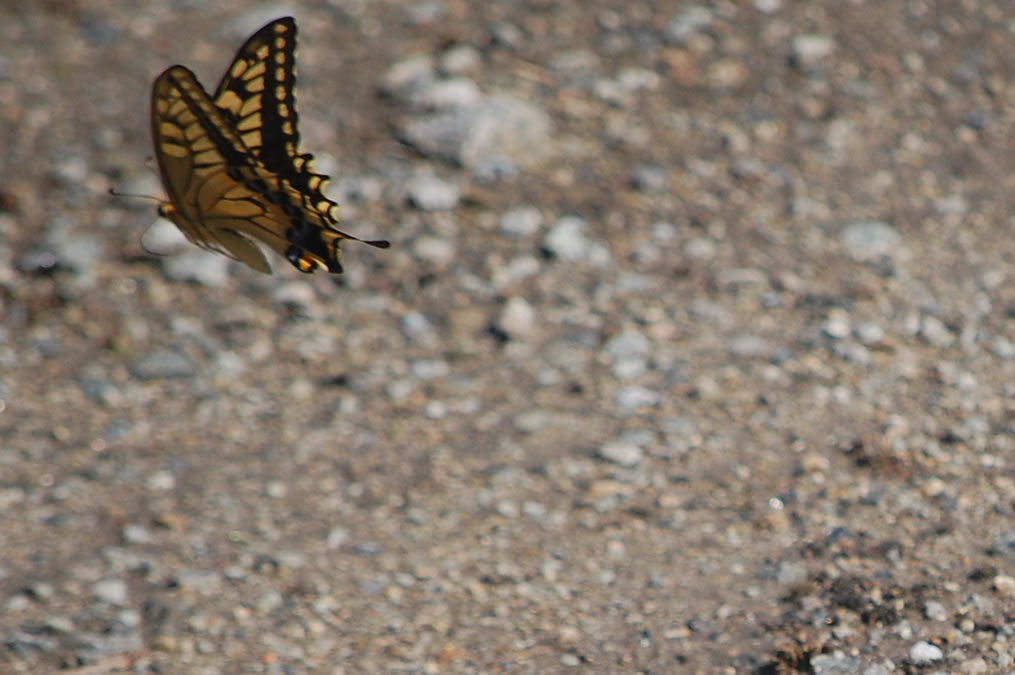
(194, 163)
(231, 165)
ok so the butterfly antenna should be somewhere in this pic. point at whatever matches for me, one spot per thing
(131, 195)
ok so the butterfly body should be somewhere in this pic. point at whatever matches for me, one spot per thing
(231, 163)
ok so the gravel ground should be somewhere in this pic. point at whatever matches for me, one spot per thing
(694, 350)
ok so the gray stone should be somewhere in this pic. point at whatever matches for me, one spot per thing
(429, 369)
(507, 34)
(632, 398)
(621, 453)
(431, 193)
(925, 652)
(407, 75)
(112, 591)
(136, 534)
(163, 364)
(649, 178)
(78, 252)
(791, 573)
(197, 265)
(628, 352)
(205, 582)
(531, 421)
(934, 331)
(870, 239)
(836, 327)
(750, 346)
(517, 319)
(566, 240)
(808, 51)
(416, 325)
(700, 249)
(768, 6)
(869, 333)
(664, 231)
(456, 92)
(520, 222)
(935, 611)
(627, 344)
(460, 59)
(434, 249)
(497, 126)
(836, 662)
(295, 294)
(686, 24)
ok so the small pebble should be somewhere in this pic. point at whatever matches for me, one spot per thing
(791, 573)
(531, 421)
(631, 398)
(521, 222)
(135, 534)
(415, 325)
(925, 652)
(567, 241)
(649, 178)
(434, 250)
(161, 480)
(276, 489)
(459, 60)
(808, 51)
(1004, 585)
(113, 591)
(935, 611)
(688, 23)
(619, 452)
(431, 193)
(870, 239)
(163, 364)
(517, 319)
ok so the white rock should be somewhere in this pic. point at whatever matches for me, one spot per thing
(434, 249)
(521, 222)
(925, 652)
(113, 591)
(810, 50)
(517, 319)
(456, 92)
(431, 193)
(567, 241)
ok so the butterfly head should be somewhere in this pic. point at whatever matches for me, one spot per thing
(169, 211)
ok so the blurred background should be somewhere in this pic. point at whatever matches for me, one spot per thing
(692, 352)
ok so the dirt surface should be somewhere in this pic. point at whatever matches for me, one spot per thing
(717, 378)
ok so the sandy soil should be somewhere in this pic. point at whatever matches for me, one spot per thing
(715, 377)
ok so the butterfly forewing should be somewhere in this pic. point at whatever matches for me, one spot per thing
(259, 93)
